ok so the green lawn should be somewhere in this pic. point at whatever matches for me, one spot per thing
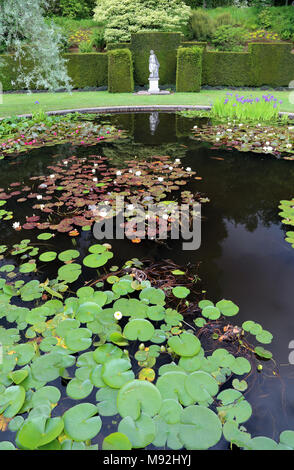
(25, 103)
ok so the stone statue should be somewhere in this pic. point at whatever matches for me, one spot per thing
(153, 66)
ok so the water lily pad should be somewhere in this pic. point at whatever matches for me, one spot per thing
(80, 422)
(116, 441)
(79, 389)
(68, 255)
(140, 432)
(106, 398)
(116, 372)
(48, 256)
(201, 428)
(171, 385)
(201, 386)
(227, 307)
(139, 329)
(180, 292)
(69, 272)
(185, 344)
(136, 397)
(78, 339)
(11, 400)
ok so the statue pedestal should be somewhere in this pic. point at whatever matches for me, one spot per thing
(153, 85)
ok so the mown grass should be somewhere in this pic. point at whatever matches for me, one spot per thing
(14, 104)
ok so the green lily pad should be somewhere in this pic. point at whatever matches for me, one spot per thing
(201, 386)
(80, 422)
(185, 344)
(201, 428)
(116, 372)
(136, 397)
(180, 292)
(116, 441)
(140, 432)
(11, 400)
(140, 329)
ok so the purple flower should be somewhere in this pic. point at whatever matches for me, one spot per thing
(37, 102)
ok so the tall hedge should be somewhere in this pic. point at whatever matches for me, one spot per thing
(165, 46)
(120, 71)
(87, 70)
(271, 64)
(189, 69)
(226, 68)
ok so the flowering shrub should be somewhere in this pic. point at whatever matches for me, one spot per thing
(123, 17)
(79, 36)
(247, 108)
(263, 34)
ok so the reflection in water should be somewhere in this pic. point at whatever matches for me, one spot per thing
(154, 121)
(243, 255)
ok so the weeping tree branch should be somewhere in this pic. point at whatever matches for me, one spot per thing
(24, 31)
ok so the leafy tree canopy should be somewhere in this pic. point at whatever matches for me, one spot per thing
(25, 33)
(123, 17)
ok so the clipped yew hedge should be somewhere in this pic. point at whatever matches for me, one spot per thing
(226, 68)
(120, 71)
(85, 70)
(271, 64)
(189, 69)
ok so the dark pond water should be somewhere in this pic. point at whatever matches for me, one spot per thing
(243, 255)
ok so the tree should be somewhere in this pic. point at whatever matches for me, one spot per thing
(123, 17)
(25, 33)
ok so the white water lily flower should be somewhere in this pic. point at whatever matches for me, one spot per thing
(52, 176)
(177, 160)
(170, 168)
(217, 139)
(188, 168)
(93, 171)
(118, 173)
(39, 197)
(65, 162)
(229, 130)
(16, 225)
(195, 127)
(160, 178)
(138, 173)
(117, 315)
(130, 207)
(95, 164)
(95, 179)
(42, 206)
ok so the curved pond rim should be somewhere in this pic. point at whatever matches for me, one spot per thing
(131, 109)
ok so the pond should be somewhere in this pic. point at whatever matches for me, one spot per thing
(243, 255)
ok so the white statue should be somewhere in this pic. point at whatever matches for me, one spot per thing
(153, 77)
(153, 65)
